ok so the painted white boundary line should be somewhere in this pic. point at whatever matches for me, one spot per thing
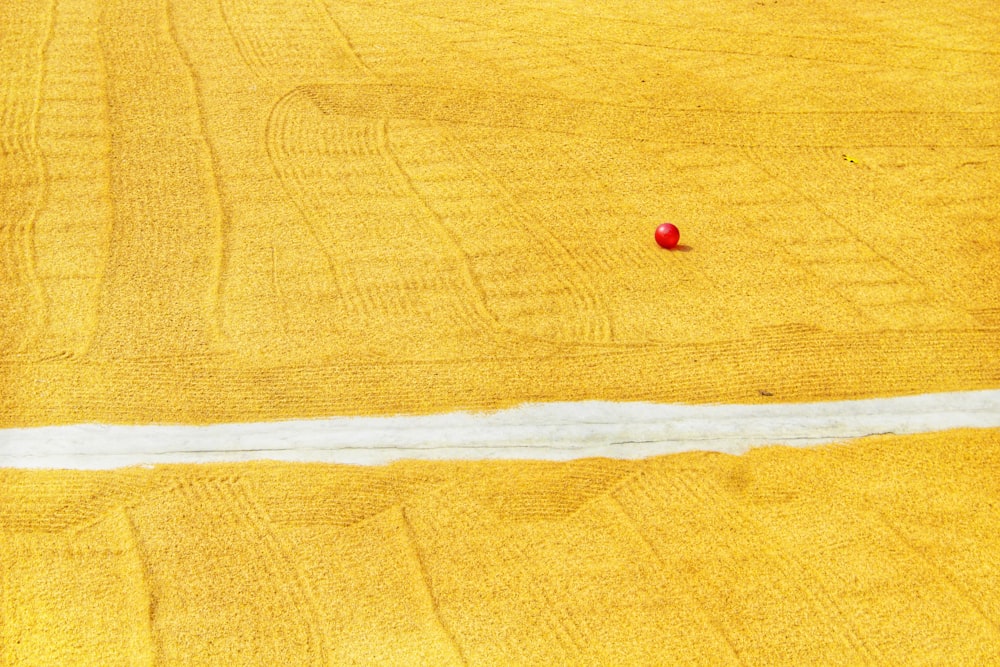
(553, 431)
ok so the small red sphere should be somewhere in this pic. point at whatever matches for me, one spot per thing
(667, 235)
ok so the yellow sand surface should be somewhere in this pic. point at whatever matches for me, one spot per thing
(235, 211)
(243, 210)
(886, 551)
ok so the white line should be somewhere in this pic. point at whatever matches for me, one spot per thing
(554, 431)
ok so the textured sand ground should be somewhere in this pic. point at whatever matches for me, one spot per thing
(882, 552)
(239, 211)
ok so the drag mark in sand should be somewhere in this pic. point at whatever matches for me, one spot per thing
(717, 127)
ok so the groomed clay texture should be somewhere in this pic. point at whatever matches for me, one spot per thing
(243, 211)
(882, 552)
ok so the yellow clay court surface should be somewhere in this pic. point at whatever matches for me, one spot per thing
(237, 212)
(226, 212)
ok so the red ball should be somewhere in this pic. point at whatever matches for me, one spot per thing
(667, 235)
